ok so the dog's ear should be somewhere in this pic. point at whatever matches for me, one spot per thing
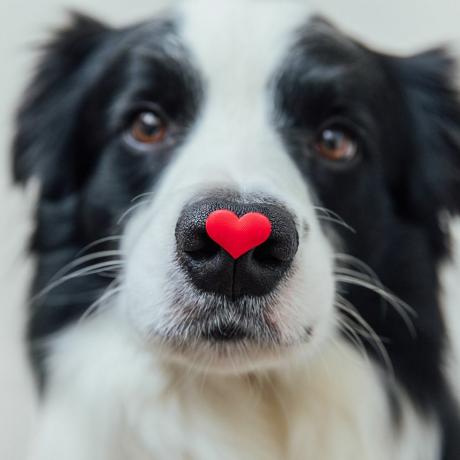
(429, 94)
(45, 144)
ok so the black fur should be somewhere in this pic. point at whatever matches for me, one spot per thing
(405, 114)
(403, 111)
(70, 129)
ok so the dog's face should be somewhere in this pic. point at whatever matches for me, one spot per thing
(142, 133)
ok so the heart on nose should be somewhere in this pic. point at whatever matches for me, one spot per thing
(238, 235)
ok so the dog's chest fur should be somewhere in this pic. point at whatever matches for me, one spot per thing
(145, 409)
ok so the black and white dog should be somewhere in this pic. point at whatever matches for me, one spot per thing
(327, 341)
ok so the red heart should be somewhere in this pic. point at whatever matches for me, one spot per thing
(238, 235)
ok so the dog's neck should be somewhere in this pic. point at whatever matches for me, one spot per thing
(272, 414)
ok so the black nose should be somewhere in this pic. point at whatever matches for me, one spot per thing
(212, 269)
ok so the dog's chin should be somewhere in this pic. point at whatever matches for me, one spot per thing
(234, 357)
(212, 333)
(212, 344)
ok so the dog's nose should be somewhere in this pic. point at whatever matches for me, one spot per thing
(236, 249)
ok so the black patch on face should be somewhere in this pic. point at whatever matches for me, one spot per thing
(404, 115)
(90, 83)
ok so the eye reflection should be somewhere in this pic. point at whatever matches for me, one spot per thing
(148, 128)
(336, 144)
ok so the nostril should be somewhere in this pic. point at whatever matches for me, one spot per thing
(267, 254)
(200, 247)
(276, 252)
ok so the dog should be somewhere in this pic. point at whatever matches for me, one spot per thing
(323, 339)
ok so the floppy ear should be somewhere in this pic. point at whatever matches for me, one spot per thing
(431, 99)
(45, 144)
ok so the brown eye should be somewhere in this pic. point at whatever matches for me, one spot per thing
(336, 144)
(148, 128)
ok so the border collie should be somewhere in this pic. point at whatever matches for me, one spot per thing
(323, 340)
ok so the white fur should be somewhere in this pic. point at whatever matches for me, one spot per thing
(114, 397)
(450, 288)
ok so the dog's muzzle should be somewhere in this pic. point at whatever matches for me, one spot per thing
(209, 265)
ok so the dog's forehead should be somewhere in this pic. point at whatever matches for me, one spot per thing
(239, 39)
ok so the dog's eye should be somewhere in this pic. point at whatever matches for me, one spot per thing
(336, 144)
(148, 128)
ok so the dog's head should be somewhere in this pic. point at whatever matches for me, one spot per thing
(139, 134)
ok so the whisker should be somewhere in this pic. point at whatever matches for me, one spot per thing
(374, 339)
(353, 336)
(87, 271)
(98, 242)
(331, 216)
(108, 294)
(130, 210)
(84, 259)
(371, 278)
(400, 306)
(363, 277)
(142, 195)
(359, 264)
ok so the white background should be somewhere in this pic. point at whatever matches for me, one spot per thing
(394, 25)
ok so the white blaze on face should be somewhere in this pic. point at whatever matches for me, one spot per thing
(233, 145)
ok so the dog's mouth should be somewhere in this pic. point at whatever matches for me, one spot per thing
(222, 333)
(230, 335)
(231, 347)
(227, 333)
(217, 328)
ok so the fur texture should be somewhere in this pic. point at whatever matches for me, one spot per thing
(347, 355)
